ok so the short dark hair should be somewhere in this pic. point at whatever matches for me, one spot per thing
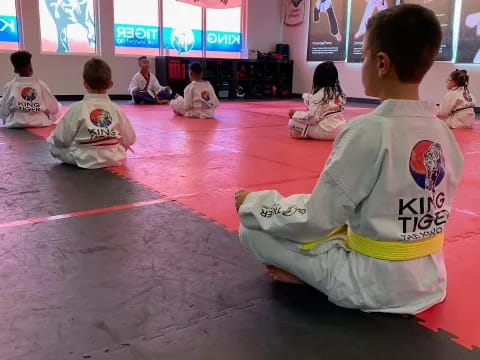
(410, 35)
(97, 74)
(21, 60)
(196, 68)
(141, 58)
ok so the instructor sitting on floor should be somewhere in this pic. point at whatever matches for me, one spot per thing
(145, 88)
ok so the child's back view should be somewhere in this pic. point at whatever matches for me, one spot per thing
(371, 234)
(457, 107)
(199, 98)
(27, 101)
(324, 119)
(95, 132)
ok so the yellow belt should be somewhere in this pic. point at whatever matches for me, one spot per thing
(385, 250)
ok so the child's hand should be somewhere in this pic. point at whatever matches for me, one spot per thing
(291, 112)
(240, 197)
(177, 96)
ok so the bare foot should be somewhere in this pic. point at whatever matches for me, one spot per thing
(296, 134)
(280, 275)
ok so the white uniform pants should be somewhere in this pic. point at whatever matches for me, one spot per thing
(62, 154)
(178, 106)
(353, 280)
(461, 119)
(319, 268)
(311, 131)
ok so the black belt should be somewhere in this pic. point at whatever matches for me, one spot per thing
(464, 108)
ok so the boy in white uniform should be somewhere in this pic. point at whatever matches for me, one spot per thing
(95, 132)
(199, 98)
(27, 101)
(145, 88)
(370, 235)
(458, 106)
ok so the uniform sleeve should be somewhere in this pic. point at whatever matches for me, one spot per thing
(66, 129)
(6, 103)
(188, 97)
(349, 176)
(314, 102)
(50, 100)
(133, 84)
(215, 100)
(306, 99)
(155, 84)
(446, 106)
(178, 102)
(127, 133)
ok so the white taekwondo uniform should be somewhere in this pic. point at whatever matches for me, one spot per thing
(458, 108)
(28, 102)
(323, 120)
(199, 100)
(94, 133)
(391, 178)
(152, 87)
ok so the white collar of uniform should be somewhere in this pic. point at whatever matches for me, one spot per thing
(25, 79)
(96, 97)
(416, 108)
(140, 73)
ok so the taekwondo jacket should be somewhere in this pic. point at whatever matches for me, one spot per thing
(94, 133)
(391, 177)
(324, 114)
(28, 102)
(199, 100)
(457, 108)
(138, 81)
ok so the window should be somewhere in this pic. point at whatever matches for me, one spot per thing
(8, 25)
(136, 28)
(182, 29)
(224, 32)
(68, 26)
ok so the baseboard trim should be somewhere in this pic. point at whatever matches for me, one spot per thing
(376, 101)
(294, 95)
(80, 97)
(363, 100)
